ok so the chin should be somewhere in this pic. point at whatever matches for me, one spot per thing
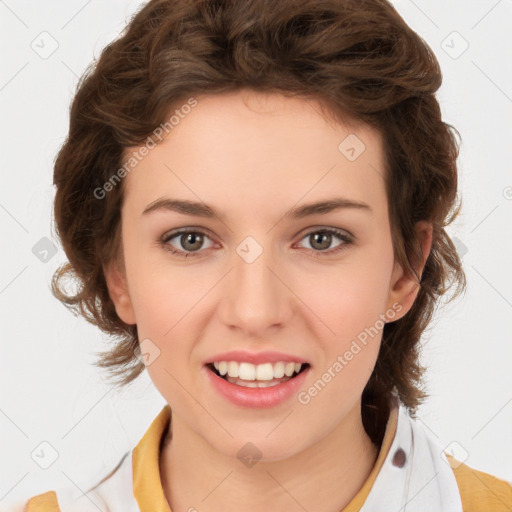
(258, 448)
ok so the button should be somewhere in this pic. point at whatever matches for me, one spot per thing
(399, 458)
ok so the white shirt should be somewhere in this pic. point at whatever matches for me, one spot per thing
(415, 475)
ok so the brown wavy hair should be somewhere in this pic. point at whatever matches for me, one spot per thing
(358, 58)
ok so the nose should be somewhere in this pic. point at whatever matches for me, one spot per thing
(255, 298)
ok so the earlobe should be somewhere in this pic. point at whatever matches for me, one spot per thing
(404, 287)
(118, 291)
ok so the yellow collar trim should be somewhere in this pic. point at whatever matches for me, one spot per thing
(147, 486)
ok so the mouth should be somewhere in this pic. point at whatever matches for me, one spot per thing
(257, 376)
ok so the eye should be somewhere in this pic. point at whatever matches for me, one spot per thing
(186, 242)
(320, 240)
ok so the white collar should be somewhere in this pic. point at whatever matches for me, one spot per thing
(416, 475)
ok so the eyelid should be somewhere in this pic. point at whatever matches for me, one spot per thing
(319, 228)
(187, 229)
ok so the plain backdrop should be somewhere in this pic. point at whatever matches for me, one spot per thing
(50, 391)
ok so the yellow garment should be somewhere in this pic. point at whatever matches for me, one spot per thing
(147, 486)
(480, 492)
(46, 502)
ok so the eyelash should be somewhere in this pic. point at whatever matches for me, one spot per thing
(346, 239)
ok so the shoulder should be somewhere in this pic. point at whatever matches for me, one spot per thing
(70, 500)
(46, 502)
(65, 500)
(479, 491)
(113, 493)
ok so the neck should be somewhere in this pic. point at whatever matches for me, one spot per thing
(324, 477)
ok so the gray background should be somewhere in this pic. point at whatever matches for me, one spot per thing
(51, 393)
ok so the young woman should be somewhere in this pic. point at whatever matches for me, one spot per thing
(253, 196)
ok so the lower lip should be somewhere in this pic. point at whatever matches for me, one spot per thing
(262, 398)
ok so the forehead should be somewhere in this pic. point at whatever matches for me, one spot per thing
(247, 146)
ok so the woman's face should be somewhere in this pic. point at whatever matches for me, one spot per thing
(268, 280)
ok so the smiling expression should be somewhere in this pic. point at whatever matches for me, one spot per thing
(249, 235)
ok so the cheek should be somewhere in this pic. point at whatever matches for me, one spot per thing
(169, 306)
(168, 311)
(164, 296)
(349, 297)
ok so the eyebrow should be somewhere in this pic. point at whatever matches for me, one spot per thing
(201, 209)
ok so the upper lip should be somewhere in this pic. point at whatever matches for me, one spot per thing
(243, 356)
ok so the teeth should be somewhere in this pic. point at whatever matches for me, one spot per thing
(233, 369)
(263, 372)
(289, 368)
(254, 383)
(223, 367)
(259, 372)
(278, 370)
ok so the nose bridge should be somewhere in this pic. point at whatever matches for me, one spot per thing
(255, 299)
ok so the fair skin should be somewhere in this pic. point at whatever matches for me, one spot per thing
(253, 157)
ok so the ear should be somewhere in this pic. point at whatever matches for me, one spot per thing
(404, 288)
(118, 290)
